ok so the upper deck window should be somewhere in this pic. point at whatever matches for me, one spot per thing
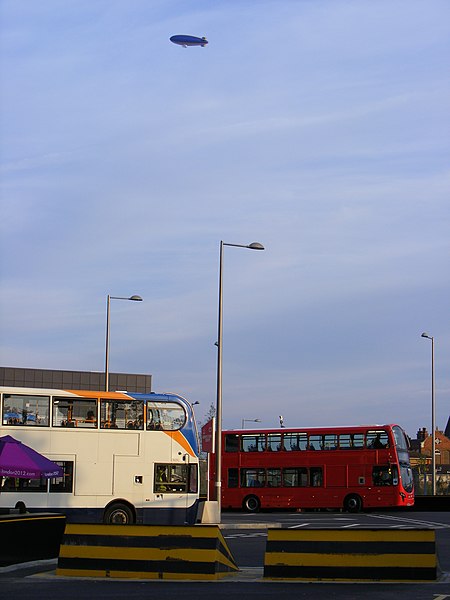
(20, 409)
(400, 439)
(377, 439)
(122, 414)
(253, 442)
(330, 441)
(295, 441)
(232, 442)
(75, 412)
(315, 442)
(274, 441)
(165, 416)
(351, 441)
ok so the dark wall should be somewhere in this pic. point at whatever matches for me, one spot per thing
(30, 537)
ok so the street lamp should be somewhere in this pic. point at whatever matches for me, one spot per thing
(108, 309)
(433, 418)
(244, 421)
(218, 441)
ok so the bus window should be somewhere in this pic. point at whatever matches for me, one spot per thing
(253, 477)
(121, 414)
(165, 416)
(233, 478)
(330, 441)
(192, 479)
(261, 442)
(315, 477)
(274, 441)
(253, 443)
(63, 484)
(295, 441)
(358, 440)
(30, 410)
(351, 441)
(384, 475)
(406, 476)
(248, 443)
(174, 478)
(295, 477)
(232, 443)
(345, 441)
(74, 413)
(400, 439)
(273, 477)
(377, 439)
(14, 484)
(315, 442)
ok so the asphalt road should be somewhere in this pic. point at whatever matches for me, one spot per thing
(248, 545)
(246, 538)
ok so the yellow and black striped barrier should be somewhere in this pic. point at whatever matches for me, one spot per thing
(144, 552)
(351, 555)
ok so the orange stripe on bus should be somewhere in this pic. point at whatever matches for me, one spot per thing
(89, 394)
(178, 437)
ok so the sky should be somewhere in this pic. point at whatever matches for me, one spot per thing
(318, 128)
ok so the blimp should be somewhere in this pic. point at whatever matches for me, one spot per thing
(188, 40)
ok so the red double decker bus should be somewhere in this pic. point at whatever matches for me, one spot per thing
(353, 468)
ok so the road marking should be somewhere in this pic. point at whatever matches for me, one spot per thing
(412, 522)
(245, 535)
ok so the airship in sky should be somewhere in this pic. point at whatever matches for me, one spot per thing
(188, 40)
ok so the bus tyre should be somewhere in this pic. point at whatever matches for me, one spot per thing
(251, 504)
(353, 503)
(118, 514)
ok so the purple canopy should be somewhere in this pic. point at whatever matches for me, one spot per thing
(19, 460)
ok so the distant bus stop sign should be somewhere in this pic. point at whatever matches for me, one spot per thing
(208, 436)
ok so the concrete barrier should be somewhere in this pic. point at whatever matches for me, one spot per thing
(28, 537)
(144, 552)
(351, 555)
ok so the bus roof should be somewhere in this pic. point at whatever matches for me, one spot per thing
(331, 428)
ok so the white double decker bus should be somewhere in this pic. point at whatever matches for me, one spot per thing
(127, 457)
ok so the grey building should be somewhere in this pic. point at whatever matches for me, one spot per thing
(74, 380)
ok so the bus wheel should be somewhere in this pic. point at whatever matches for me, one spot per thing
(20, 506)
(118, 514)
(353, 503)
(251, 504)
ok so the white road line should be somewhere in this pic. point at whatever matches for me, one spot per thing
(244, 535)
(412, 522)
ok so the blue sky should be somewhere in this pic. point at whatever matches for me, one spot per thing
(318, 128)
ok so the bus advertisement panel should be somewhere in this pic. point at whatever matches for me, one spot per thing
(126, 457)
(350, 468)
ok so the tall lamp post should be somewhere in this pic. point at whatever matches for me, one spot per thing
(244, 421)
(218, 441)
(108, 310)
(433, 418)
